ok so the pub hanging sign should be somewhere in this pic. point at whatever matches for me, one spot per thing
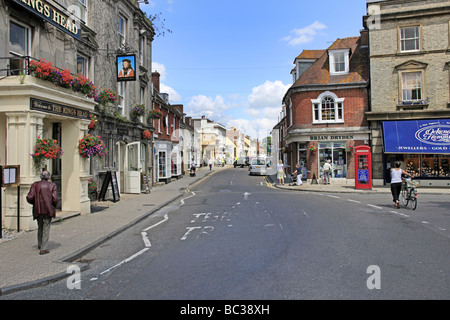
(66, 22)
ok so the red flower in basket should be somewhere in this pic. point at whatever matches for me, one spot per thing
(146, 134)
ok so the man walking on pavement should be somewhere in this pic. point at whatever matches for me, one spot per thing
(44, 198)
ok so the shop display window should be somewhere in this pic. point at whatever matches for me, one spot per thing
(175, 164)
(162, 164)
(335, 151)
(423, 165)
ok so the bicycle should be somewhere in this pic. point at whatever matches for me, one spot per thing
(408, 192)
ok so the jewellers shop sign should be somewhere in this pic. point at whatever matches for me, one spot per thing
(417, 136)
(62, 19)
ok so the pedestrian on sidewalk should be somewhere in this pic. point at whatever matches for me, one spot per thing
(44, 198)
(327, 172)
(299, 175)
(210, 163)
(396, 182)
(280, 172)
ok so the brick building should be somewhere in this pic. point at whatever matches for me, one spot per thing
(325, 108)
(168, 150)
(410, 88)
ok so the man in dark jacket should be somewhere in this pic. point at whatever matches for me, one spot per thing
(44, 198)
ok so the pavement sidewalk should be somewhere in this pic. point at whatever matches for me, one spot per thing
(337, 187)
(21, 266)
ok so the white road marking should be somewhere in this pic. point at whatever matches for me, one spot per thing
(335, 197)
(188, 232)
(166, 217)
(134, 256)
(182, 200)
(146, 240)
(373, 206)
(353, 201)
(400, 214)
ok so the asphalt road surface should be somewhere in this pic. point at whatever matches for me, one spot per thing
(234, 237)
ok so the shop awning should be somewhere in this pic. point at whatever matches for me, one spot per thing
(417, 136)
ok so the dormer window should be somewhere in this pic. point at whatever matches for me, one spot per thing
(339, 61)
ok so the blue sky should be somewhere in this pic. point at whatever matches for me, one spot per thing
(231, 60)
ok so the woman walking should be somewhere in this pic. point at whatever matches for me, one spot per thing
(396, 182)
(280, 172)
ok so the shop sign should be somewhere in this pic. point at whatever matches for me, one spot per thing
(54, 108)
(417, 136)
(43, 9)
(330, 137)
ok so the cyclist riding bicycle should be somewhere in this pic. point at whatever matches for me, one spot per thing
(396, 182)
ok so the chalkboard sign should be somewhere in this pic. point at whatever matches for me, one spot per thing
(110, 178)
(144, 180)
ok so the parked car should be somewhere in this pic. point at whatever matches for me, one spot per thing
(241, 162)
(258, 166)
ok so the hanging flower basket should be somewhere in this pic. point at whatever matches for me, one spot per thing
(312, 149)
(137, 111)
(45, 149)
(351, 149)
(93, 124)
(105, 95)
(146, 134)
(91, 146)
(154, 114)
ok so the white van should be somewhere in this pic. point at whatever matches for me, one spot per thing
(258, 166)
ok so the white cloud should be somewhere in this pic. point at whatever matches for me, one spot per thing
(173, 95)
(255, 128)
(304, 35)
(202, 105)
(160, 68)
(266, 99)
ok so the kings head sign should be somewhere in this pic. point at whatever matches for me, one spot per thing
(64, 21)
(417, 136)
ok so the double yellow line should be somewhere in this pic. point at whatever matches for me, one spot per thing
(269, 184)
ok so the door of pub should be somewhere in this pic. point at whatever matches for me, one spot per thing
(56, 163)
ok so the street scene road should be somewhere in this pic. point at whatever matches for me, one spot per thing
(236, 237)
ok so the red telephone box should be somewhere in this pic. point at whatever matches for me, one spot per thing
(363, 167)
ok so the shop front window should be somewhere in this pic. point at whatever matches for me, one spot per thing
(302, 159)
(334, 151)
(162, 164)
(423, 165)
(175, 164)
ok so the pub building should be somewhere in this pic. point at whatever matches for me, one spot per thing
(34, 107)
(325, 109)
